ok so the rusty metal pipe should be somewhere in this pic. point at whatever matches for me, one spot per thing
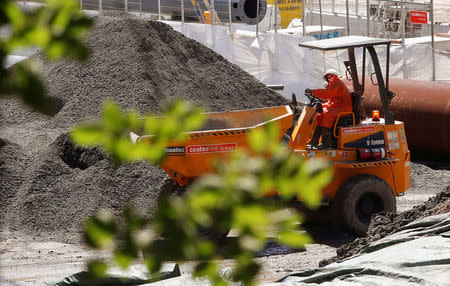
(424, 107)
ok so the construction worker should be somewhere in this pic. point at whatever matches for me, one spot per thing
(338, 99)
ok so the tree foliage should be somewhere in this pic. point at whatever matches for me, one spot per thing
(232, 197)
(56, 29)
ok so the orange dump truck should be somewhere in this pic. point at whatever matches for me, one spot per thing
(370, 157)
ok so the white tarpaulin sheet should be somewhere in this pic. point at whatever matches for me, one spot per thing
(271, 58)
(275, 58)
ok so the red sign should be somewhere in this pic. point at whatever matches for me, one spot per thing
(356, 130)
(213, 148)
(418, 17)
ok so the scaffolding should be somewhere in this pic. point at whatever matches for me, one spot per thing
(393, 18)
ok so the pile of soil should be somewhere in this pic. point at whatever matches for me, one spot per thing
(384, 224)
(48, 185)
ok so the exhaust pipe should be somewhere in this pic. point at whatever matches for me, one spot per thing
(242, 11)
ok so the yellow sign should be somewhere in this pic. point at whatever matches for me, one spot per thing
(289, 9)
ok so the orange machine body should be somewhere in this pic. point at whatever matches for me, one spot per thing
(195, 156)
(394, 169)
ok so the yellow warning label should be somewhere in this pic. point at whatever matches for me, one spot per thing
(289, 9)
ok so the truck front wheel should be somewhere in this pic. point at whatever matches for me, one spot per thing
(170, 187)
(359, 198)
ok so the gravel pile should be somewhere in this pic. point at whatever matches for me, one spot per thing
(384, 224)
(48, 185)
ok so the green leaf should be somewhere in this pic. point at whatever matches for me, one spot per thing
(99, 230)
(123, 259)
(294, 239)
(14, 15)
(97, 269)
(207, 269)
(153, 264)
(87, 135)
(257, 140)
(112, 117)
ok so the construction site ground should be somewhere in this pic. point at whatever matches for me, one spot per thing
(50, 186)
(36, 260)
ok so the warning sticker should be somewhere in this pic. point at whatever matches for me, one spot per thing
(357, 130)
(212, 148)
(418, 17)
(392, 137)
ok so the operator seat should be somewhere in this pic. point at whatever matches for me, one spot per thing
(347, 120)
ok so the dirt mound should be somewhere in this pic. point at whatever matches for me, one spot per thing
(217, 123)
(75, 156)
(384, 224)
(10, 179)
(48, 185)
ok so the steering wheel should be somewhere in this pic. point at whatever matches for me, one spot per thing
(313, 99)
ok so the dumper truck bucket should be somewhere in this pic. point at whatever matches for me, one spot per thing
(223, 134)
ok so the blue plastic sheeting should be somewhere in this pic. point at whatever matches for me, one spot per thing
(416, 254)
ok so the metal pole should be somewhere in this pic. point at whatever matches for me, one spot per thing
(126, 5)
(229, 15)
(304, 17)
(356, 7)
(276, 16)
(24, 2)
(100, 5)
(159, 10)
(368, 17)
(140, 8)
(321, 23)
(348, 18)
(402, 22)
(81, 5)
(333, 6)
(213, 9)
(433, 59)
(388, 55)
(182, 13)
(257, 16)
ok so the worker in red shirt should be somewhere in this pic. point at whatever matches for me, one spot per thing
(338, 99)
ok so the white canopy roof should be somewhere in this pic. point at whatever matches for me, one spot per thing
(344, 43)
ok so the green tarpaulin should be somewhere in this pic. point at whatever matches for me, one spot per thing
(416, 254)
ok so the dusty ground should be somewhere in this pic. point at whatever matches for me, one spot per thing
(37, 260)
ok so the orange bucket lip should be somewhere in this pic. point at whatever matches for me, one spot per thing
(194, 157)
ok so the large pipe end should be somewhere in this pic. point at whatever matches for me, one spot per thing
(247, 11)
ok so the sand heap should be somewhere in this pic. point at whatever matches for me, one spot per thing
(48, 185)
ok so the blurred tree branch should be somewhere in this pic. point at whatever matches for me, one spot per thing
(56, 29)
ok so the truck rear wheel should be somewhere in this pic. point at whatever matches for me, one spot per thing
(359, 198)
(170, 187)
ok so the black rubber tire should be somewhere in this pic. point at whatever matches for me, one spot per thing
(170, 187)
(358, 199)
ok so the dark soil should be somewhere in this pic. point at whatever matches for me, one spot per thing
(384, 224)
(49, 185)
(217, 123)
